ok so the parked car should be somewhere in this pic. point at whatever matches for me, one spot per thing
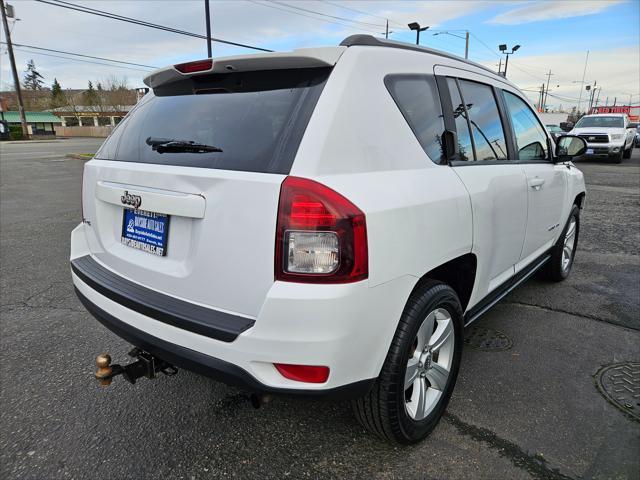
(322, 222)
(609, 135)
(637, 137)
(555, 131)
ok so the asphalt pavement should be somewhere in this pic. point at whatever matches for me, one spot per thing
(525, 405)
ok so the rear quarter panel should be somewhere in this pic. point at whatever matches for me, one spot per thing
(358, 143)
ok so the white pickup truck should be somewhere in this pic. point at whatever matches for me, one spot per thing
(608, 135)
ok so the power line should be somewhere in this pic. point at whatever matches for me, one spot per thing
(82, 55)
(363, 13)
(79, 60)
(326, 14)
(352, 27)
(113, 16)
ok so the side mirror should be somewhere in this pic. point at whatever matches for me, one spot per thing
(569, 146)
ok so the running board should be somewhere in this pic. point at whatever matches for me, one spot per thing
(505, 289)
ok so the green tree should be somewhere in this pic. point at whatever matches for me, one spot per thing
(32, 79)
(91, 96)
(57, 95)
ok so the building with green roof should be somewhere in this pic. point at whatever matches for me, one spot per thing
(40, 123)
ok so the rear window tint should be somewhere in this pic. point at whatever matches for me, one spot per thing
(417, 98)
(256, 118)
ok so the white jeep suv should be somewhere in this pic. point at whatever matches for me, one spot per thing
(322, 222)
(609, 135)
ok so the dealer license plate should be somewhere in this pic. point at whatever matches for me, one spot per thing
(146, 231)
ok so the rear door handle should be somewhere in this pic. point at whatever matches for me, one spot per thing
(536, 183)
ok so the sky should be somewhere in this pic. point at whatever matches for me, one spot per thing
(554, 36)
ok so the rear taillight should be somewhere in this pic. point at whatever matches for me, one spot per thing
(321, 237)
(197, 66)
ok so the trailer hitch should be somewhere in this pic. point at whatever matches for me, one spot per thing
(146, 365)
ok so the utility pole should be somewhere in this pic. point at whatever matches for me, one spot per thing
(592, 93)
(500, 67)
(208, 19)
(466, 45)
(544, 109)
(598, 97)
(14, 71)
(542, 104)
(386, 31)
(584, 72)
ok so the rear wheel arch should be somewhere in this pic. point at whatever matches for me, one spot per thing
(459, 273)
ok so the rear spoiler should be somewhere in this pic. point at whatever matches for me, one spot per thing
(301, 58)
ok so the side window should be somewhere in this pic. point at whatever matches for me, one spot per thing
(484, 118)
(531, 140)
(417, 99)
(465, 147)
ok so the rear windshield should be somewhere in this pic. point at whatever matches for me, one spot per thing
(604, 122)
(257, 119)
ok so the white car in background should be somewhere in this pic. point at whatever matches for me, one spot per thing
(608, 135)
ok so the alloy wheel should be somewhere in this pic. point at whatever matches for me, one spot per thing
(569, 245)
(429, 364)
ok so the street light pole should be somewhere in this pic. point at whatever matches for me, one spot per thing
(416, 26)
(208, 20)
(503, 49)
(14, 71)
(465, 38)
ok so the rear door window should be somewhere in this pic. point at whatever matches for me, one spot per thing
(465, 147)
(257, 119)
(531, 139)
(417, 98)
(484, 120)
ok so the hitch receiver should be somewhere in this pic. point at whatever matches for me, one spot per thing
(146, 366)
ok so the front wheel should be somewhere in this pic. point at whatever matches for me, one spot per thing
(627, 152)
(419, 373)
(617, 158)
(564, 251)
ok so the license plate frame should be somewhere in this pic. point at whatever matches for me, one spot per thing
(145, 231)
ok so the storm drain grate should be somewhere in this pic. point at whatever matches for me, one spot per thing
(620, 384)
(487, 340)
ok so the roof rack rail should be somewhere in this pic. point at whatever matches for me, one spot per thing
(371, 41)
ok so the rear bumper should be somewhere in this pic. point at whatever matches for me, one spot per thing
(206, 365)
(347, 328)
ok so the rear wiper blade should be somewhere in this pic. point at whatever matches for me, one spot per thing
(162, 145)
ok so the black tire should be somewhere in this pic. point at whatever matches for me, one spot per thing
(383, 410)
(554, 270)
(617, 158)
(627, 153)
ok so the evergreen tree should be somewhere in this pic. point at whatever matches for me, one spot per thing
(32, 79)
(57, 95)
(90, 95)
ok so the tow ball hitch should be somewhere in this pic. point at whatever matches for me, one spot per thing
(146, 365)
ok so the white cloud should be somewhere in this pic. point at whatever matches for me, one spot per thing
(617, 71)
(239, 21)
(548, 10)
